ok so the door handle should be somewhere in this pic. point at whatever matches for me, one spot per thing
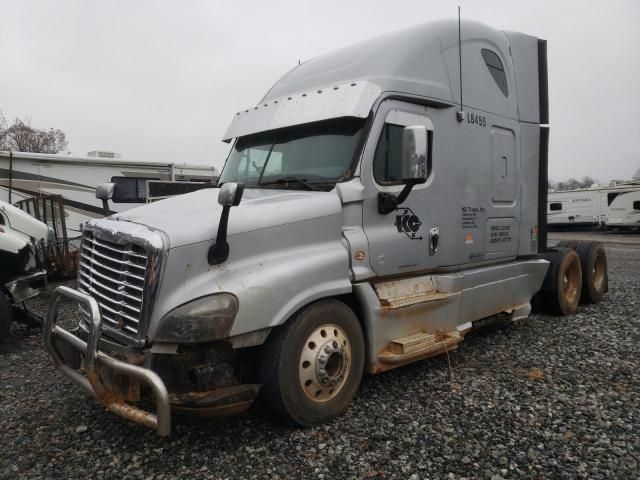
(434, 236)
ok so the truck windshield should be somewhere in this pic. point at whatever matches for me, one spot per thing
(304, 157)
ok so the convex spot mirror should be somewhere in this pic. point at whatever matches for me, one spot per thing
(414, 154)
(104, 191)
(230, 194)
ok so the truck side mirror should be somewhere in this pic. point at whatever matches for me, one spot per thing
(104, 192)
(230, 195)
(413, 168)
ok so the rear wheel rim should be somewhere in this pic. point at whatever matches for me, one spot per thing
(325, 362)
(597, 274)
(570, 283)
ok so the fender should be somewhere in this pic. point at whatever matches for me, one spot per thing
(23, 223)
(11, 242)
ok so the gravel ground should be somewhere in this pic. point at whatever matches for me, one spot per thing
(543, 398)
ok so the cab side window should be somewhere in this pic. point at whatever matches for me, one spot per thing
(387, 168)
(386, 163)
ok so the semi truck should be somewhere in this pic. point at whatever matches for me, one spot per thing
(377, 204)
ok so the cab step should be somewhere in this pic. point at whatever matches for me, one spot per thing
(411, 291)
(420, 345)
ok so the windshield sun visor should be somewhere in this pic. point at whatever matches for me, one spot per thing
(353, 99)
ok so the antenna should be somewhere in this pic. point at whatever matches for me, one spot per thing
(460, 113)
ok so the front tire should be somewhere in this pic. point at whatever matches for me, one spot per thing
(312, 366)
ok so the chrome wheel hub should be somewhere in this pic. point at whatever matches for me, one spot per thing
(325, 362)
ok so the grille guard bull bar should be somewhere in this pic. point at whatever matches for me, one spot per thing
(91, 383)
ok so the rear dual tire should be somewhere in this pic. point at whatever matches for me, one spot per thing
(562, 287)
(593, 260)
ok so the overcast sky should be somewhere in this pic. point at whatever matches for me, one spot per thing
(160, 80)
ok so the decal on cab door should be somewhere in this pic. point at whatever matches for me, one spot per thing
(408, 223)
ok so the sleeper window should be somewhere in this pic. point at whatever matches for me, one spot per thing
(554, 207)
(636, 205)
(387, 162)
(494, 64)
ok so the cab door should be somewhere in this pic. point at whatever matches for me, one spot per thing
(405, 240)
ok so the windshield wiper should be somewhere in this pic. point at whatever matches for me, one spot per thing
(294, 180)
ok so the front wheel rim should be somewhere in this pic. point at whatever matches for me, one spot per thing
(325, 363)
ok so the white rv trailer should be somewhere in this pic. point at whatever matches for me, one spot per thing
(25, 175)
(624, 206)
(576, 208)
(611, 206)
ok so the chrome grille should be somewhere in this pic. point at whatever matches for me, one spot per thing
(114, 274)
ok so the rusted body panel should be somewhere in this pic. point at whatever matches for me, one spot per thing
(437, 344)
(120, 383)
(228, 400)
(410, 291)
(440, 305)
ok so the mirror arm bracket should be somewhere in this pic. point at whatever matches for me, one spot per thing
(219, 251)
(105, 207)
(388, 202)
(230, 195)
(104, 192)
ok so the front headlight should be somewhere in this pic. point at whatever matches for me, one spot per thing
(203, 320)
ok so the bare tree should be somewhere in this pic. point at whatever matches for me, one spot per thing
(570, 184)
(573, 184)
(3, 129)
(588, 181)
(22, 137)
(636, 176)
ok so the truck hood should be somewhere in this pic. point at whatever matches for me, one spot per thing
(22, 222)
(194, 217)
